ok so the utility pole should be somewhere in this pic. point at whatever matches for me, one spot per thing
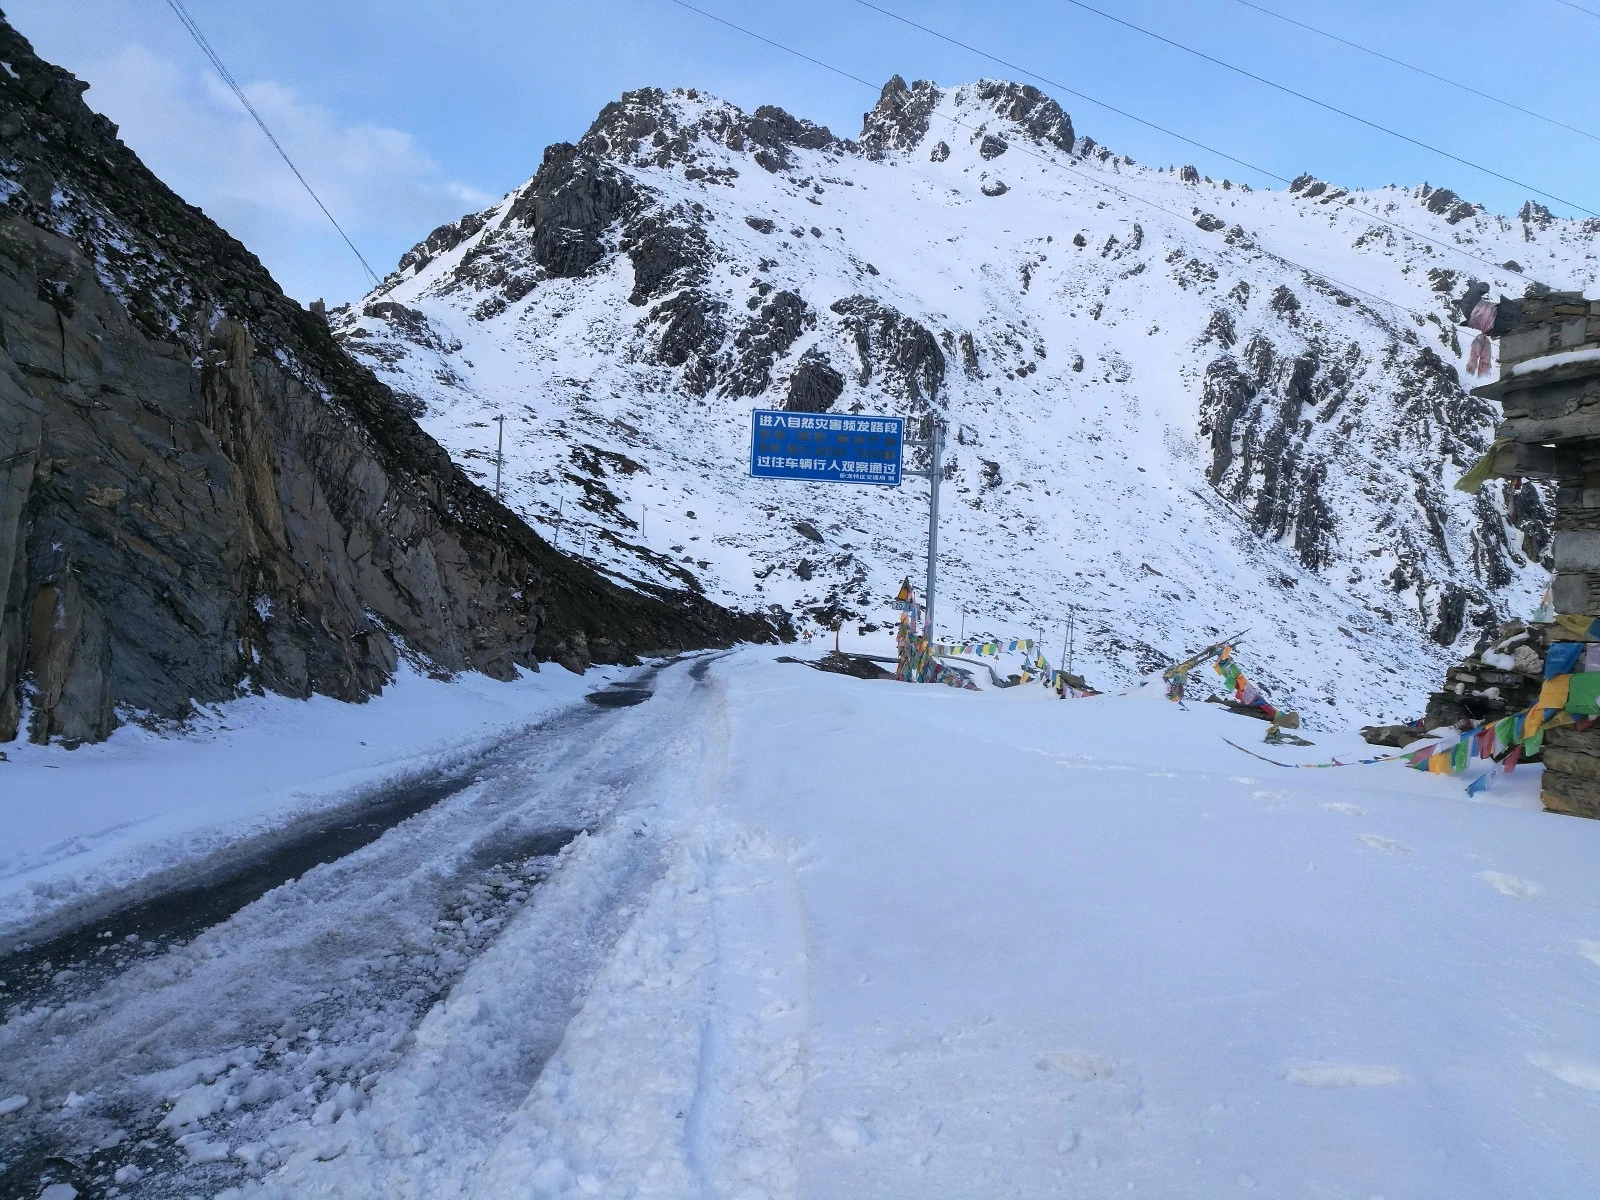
(560, 502)
(935, 470)
(499, 454)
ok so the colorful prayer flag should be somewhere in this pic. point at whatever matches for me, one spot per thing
(1554, 692)
(1583, 693)
(1562, 659)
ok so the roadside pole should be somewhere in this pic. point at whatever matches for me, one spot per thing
(936, 450)
(499, 454)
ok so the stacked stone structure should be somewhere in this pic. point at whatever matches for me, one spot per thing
(1549, 388)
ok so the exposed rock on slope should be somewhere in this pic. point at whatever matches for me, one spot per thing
(1156, 417)
(200, 491)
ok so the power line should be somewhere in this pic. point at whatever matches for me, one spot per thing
(1323, 104)
(1579, 7)
(1468, 88)
(1110, 187)
(1443, 245)
(221, 68)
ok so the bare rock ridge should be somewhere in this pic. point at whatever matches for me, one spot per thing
(202, 493)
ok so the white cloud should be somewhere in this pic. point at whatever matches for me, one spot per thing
(381, 185)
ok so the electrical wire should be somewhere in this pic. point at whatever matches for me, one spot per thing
(1399, 62)
(1123, 192)
(1323, 104)
(221, 68)
(1273, 175)
(1579, 7)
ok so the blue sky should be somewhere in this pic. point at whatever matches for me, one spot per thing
(407, 113)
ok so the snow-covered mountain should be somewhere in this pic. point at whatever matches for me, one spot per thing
(1156, 417)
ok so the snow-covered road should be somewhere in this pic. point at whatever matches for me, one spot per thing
(830, 938)
(245, 1046)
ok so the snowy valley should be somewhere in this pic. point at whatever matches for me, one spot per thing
(1179, 406)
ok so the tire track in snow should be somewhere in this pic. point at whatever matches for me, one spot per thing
(209, 1064)
(480, 1057)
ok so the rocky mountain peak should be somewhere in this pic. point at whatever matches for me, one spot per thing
(899, 120)
(1033, 112)
(660, 128)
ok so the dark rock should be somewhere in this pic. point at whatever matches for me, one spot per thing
(803, 569)
(899, 121)
(442, 240)
(995, 187)
(668, 251)
(992, 147)
(808, 531)
(693, 328)
(1284, 302)
(1208, 223)
(573, 199)
(857, 666)
(762, 341)
(1220, 329)
(776, 130)
(761, 224)
(1039, 116)
(898, 349)
(1396, 736)
(940, 152)
(969, 355)
(1188, 175)
(1535, 214)
(1446, 203)
(814, 386)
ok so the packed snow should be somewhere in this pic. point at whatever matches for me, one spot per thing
(107, 818)
(826, 937)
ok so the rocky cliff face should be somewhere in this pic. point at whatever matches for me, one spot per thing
(201, 492)
(1156, 417)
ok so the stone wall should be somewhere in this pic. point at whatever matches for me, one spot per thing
(1549, 388)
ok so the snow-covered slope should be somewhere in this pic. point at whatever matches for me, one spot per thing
(1157, 418)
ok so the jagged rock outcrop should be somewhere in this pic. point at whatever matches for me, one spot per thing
(814, 386)
(1039, 115)
(203, 493)
(899, 121)
(904, 353)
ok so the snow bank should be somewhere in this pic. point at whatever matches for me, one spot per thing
(77, 822)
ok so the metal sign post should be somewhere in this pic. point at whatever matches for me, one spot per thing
(854, 448)
(499, 454)
(935, 445)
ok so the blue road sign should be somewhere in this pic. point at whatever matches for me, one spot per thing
(820, 446)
